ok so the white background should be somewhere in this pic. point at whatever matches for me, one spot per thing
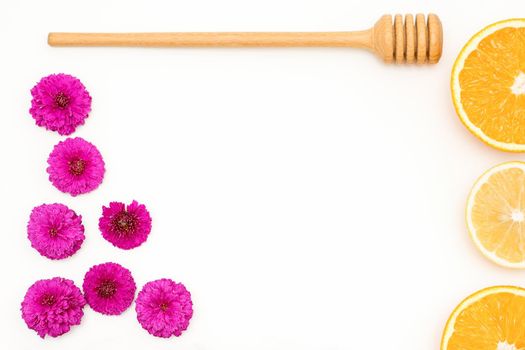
(308, 198)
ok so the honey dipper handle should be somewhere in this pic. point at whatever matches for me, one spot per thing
(256, 39)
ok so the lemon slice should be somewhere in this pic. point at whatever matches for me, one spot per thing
(488, 85)
(496, 214)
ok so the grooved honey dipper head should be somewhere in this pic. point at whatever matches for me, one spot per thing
(410, 41)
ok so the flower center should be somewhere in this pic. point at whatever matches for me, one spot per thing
(53, 232)
(77, 166)
(164, 306)
(106, 289)
(125, 223)
(61, 100)
(48, 300)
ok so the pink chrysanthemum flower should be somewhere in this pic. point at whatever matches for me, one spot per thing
(125, 227)
(55, 231)
(52, 306)
(164, 308)
(60, 103)
(109, 288)
(75, 166)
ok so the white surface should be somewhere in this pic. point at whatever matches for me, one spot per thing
(308, 198)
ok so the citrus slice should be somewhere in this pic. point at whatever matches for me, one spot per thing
(488, 85)
(496, 214)
(491, 319)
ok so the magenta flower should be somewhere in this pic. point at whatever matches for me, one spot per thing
(60, 103)
(75, 166)
(51, 307)
(55, 231)
(164, 308)
(125, 227)
(109, 288)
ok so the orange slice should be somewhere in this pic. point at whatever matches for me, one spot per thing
(491, 319)
(496, 214)
(488, 85)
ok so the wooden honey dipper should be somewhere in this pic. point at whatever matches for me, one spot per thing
(394, 41)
